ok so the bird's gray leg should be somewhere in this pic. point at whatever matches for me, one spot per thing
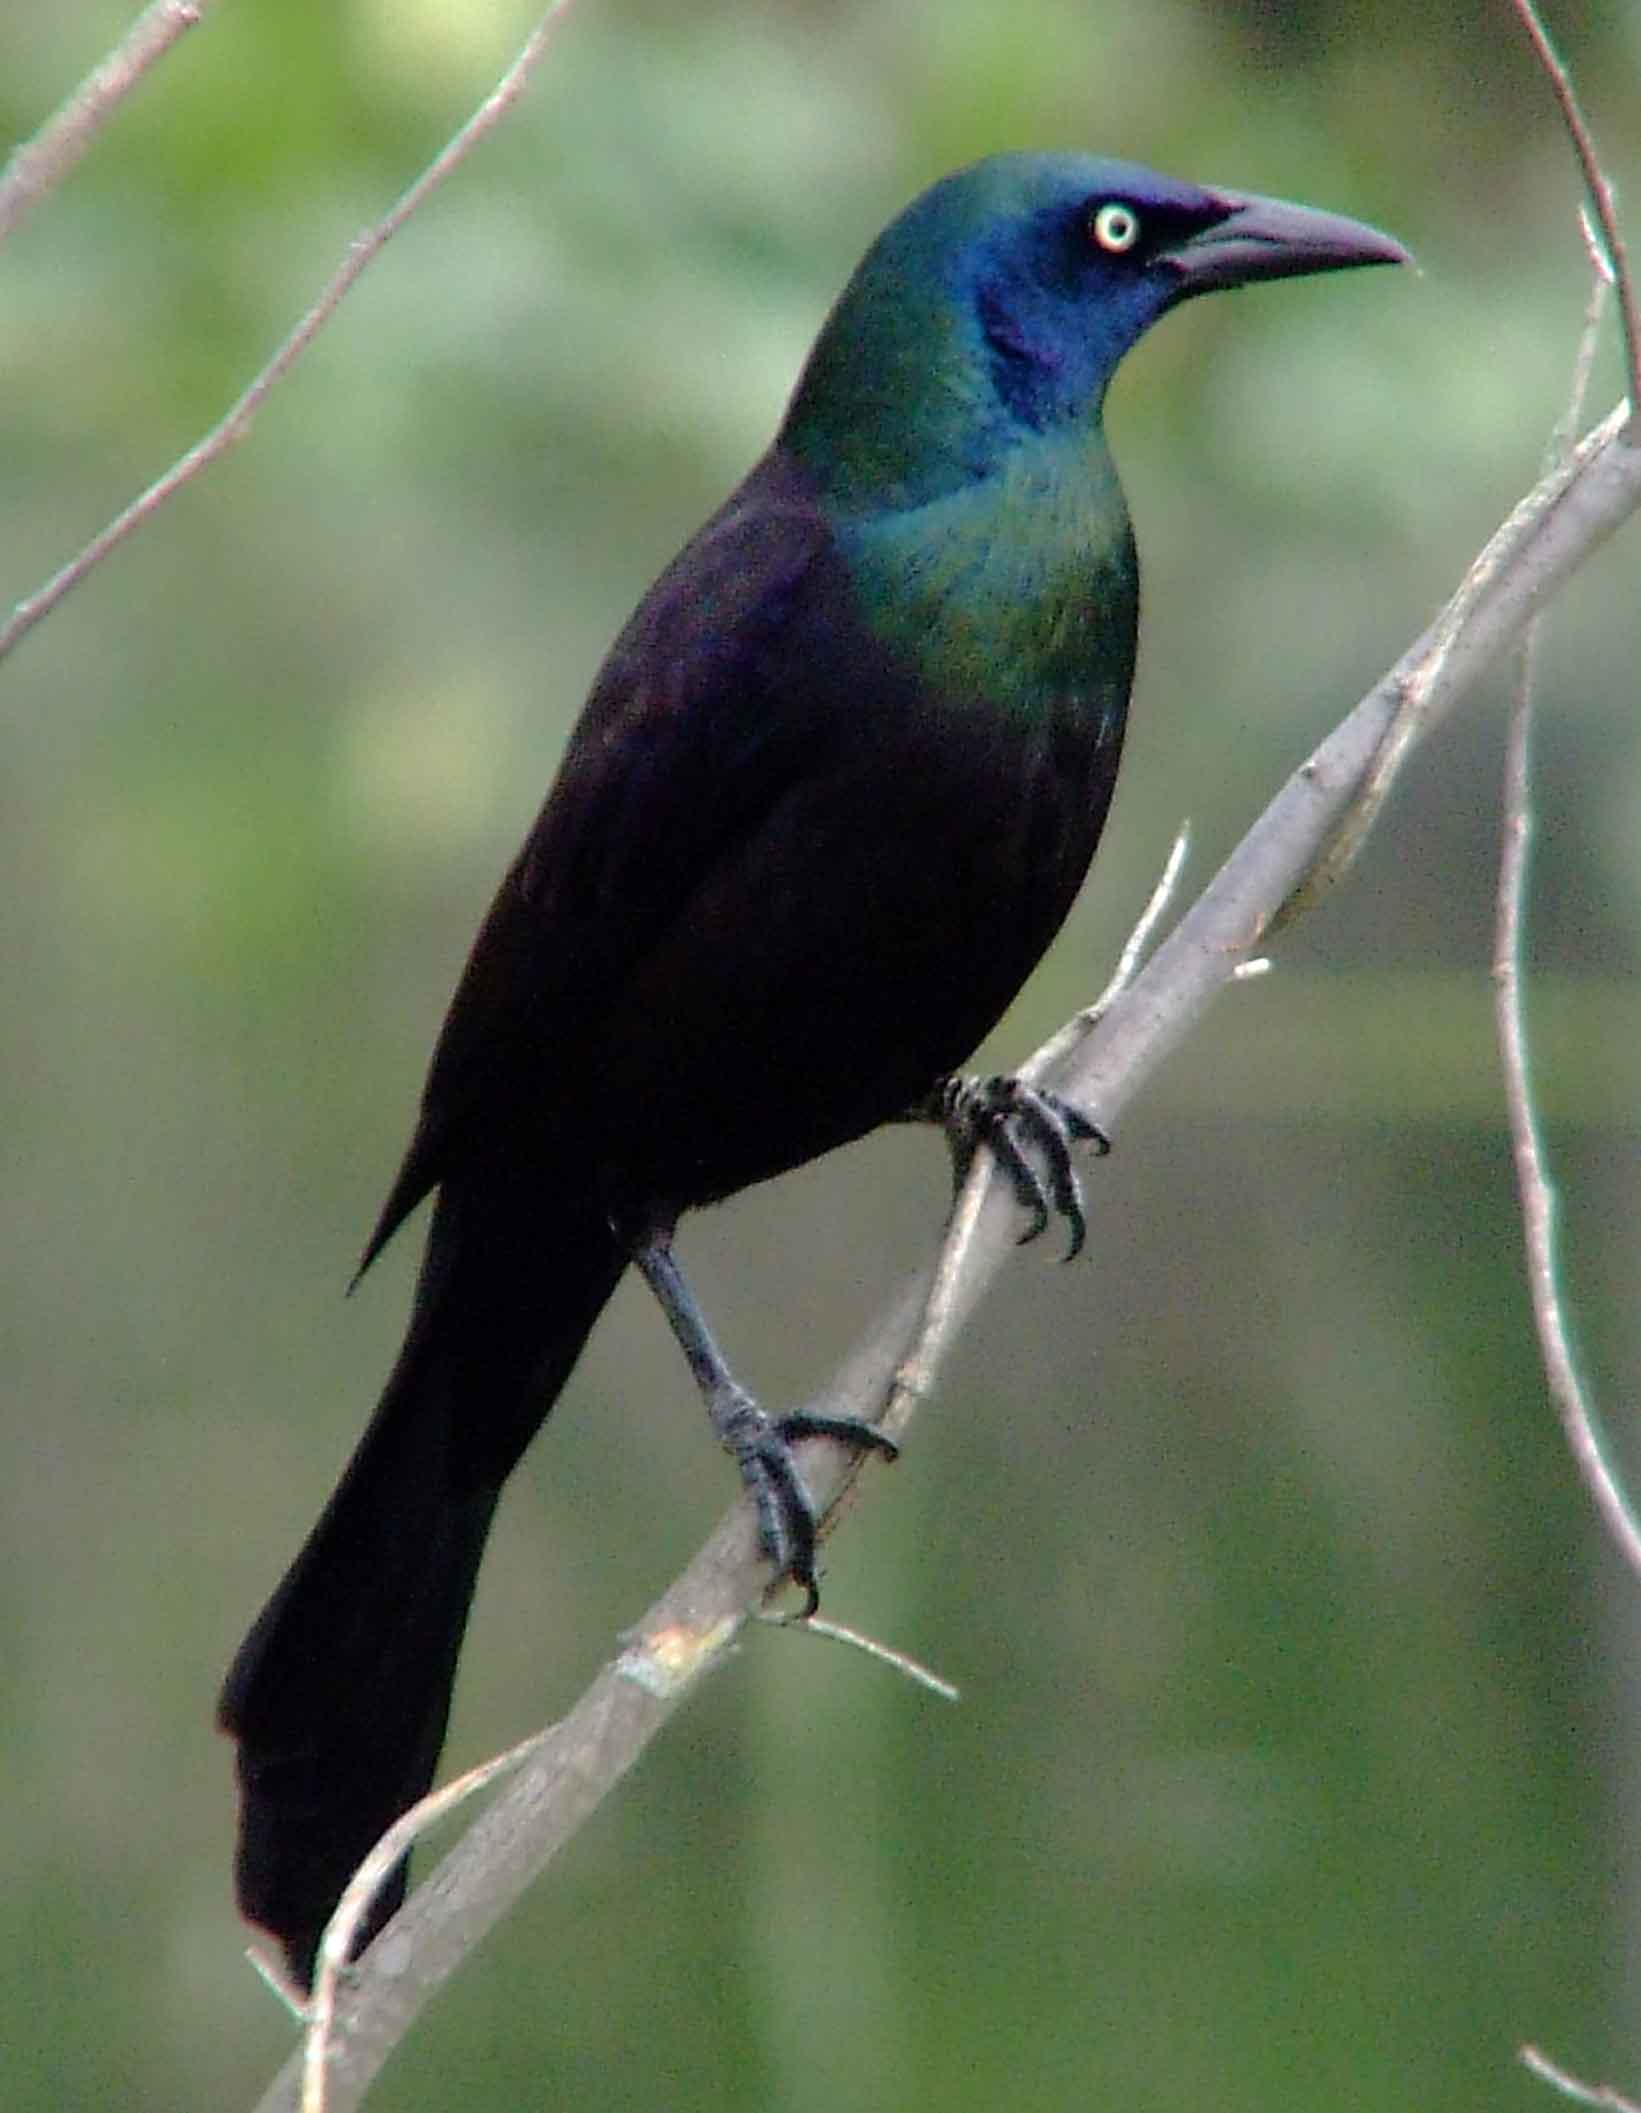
(1031, 1131)
(760, 1444)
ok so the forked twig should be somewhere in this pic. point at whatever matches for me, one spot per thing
(914, 1376)
(1059, 1046)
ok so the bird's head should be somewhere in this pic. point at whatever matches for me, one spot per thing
(999, 304)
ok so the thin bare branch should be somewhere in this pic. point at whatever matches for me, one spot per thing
(278, 1983)
(1579, 1420)
(233, 427)
(1601, 195)
(1538, 1203)
(910, 1668)
(1421, 681)
(1603, 279)
(693, 1628)
(1081, 1024)
(351, 1910)
(1602, 2096)
(41, 163)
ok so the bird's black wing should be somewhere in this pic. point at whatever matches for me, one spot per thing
(690, 736)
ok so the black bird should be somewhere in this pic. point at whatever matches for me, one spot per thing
(834, 790)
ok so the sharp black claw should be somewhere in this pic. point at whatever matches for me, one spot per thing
(852, 1431)
(1031, 1132)
(788, 1521)
(1030, 1191)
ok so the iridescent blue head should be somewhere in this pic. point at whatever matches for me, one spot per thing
(998, 306)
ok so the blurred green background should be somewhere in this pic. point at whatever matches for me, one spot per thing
(1295, 1764)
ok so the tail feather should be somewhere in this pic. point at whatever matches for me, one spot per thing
(340, 1693)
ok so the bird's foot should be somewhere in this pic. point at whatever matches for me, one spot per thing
(1031, 1133)
(788, 1520)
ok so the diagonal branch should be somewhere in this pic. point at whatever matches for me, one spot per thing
(236, 422)
(1601, 195)
(41, 163)
(692, 1628)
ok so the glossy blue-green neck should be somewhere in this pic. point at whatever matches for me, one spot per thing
(959, 338)
(949, 424)
(1012, 589)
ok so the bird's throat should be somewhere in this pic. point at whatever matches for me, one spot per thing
(1017, 589)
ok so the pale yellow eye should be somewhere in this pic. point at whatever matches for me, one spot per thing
(1115, 226)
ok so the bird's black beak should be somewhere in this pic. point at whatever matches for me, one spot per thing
(1266, 238)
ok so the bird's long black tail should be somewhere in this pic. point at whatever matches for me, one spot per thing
(340, 1693)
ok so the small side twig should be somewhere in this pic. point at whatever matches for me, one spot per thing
(910, 1668)
(41, 163)
(236, 423)
(336, 1945)
(1082, 1024)
(915, 1374)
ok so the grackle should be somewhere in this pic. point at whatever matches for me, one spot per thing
(832, 795)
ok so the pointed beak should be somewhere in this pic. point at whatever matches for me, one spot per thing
(1265, 238)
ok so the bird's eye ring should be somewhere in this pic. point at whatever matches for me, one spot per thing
(1115, 226)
